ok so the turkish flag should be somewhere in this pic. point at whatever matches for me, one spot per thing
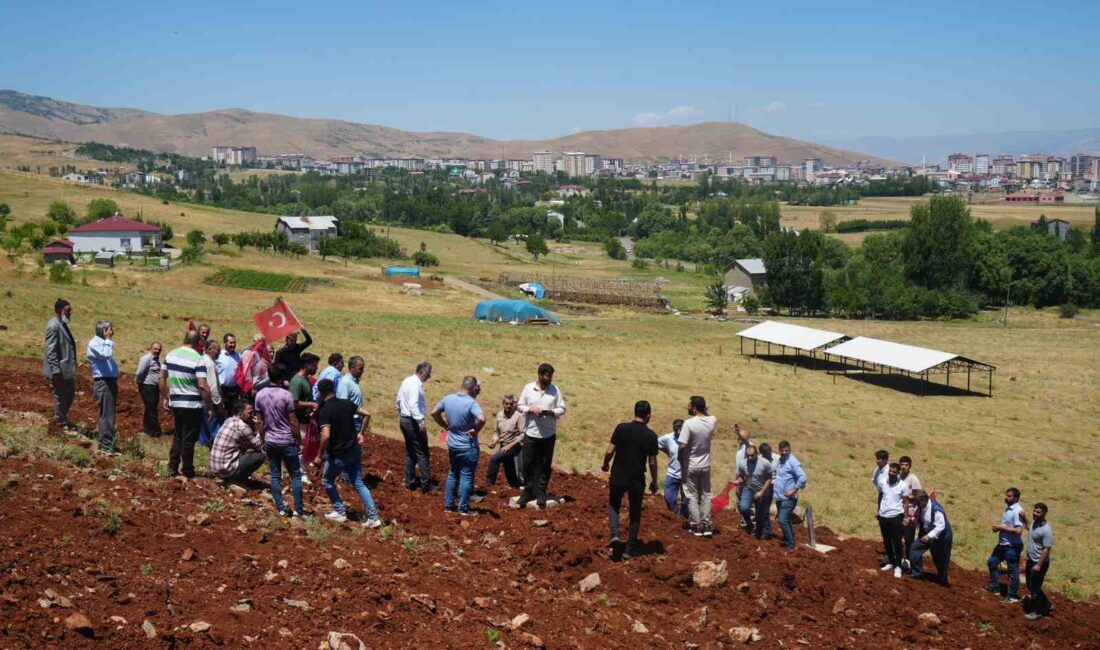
(277, 321)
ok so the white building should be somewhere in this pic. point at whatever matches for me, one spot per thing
(810, 167)
(307, 231)
(115, 234)
(231, 155)
(543, 162)
(593, 163)
(574, 163)
(982, 164)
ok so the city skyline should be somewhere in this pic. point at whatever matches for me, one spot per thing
(805, 71)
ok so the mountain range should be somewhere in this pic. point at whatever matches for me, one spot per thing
(936, 148)
(195, 133)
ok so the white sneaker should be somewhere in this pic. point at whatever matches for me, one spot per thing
(897, 572)
(905, 565)
(886, 567)
(372, 523)
(336, 516)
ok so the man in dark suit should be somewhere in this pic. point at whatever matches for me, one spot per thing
(59, 362)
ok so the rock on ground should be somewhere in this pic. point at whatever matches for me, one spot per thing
(710, 574)
(928, 619)
(342, 641)
(590, 582)
(78, 622)
(745, 635)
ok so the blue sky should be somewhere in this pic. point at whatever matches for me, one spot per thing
(815, 70)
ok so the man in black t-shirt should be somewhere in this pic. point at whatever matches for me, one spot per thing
(342, 451)
(632, 446)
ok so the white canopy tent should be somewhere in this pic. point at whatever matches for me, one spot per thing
(785, 335)
(875, 354)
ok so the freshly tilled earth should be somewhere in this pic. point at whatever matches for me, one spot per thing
(196, 564)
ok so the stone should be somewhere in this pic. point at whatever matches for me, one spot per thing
(483, 603)
(80, 623)
(341, 563)
(518, 621)
(66, 485)
(745, 635)
(238, 491)
(200, 519)
(149, 630)
(639, 628)
(744, 587)
(540, 523)
(701, 617)
(297, 604)
(710, 574)
(532, 640)
(343, 641)
(425, 600)
(118, 620)
(590, 582)
(241, 608)
(270, 576)
(199, 627)
(282, 564)
(188, 554)
(928, 619)
(840, 605)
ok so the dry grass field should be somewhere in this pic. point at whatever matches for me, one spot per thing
(1040, 431)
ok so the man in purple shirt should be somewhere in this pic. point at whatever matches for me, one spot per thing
(282, 440)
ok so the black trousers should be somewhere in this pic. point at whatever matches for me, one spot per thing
(891, 530)
(417, 453)
(188, 425)
(231, 396)
(508, 460)
(538, 458)
(250, 462)
(1035, 574)
(150, 397)
(941, 556)
(634, 493)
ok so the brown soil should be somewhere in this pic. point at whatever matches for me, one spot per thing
(434, 580)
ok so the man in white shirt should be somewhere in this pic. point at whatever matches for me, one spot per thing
(892, 506)
(935, 536)
(694, 451)
(541, 404)
(668, 444)
(412, 418)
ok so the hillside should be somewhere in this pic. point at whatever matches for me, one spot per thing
(194, 134)
(108, 551)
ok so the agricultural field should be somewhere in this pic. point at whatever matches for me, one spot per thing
(263, 281)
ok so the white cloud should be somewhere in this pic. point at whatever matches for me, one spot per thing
(774, 106)
(817, 105)
(675, 115)
(575, 129)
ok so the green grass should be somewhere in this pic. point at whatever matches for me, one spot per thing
(263, 281)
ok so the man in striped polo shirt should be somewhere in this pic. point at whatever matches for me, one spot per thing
(183, 385)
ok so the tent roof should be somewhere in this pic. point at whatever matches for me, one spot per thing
(752, 265)
(792, 336)
(309, 223)
(897, 355)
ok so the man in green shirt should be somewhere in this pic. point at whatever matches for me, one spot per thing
(301, 389)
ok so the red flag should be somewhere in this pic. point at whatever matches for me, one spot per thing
(191, 326)
(277, 321)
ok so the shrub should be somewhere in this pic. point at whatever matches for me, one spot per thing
(615, 249)
(639, 263)
(61, 273)
(1068, 310)
(424, 258)
(751, 304)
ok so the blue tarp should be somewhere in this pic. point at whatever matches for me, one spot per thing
(512, 311)
(533, 289)
(403, 270)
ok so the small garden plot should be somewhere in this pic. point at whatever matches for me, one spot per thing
(264, 281)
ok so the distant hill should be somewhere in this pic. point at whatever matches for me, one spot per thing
(194, 134)
(936, 148)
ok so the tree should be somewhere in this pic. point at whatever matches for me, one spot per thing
(101, 208)
(939, 245)
(497, 231)
(827, 219)
(717, 298)
(196, 238)
(242, 239)
(615, 249)
(795, 264)
(424, 258)
(652, 220)
(61, 273)
(5, 211)
(60, 212)
(1096, 234)
(221, 239)
(536, 246)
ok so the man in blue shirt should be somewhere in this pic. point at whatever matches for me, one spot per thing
(227, 362)
(463, 421)
(1010, 544)
(101, 358)
(789, 480)
(331, 372)
(348, 387)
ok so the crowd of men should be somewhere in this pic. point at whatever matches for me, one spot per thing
(277, 407)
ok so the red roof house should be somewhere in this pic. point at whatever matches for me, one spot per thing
(115, 234)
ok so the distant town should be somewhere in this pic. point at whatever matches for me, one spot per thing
(1033, 178)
